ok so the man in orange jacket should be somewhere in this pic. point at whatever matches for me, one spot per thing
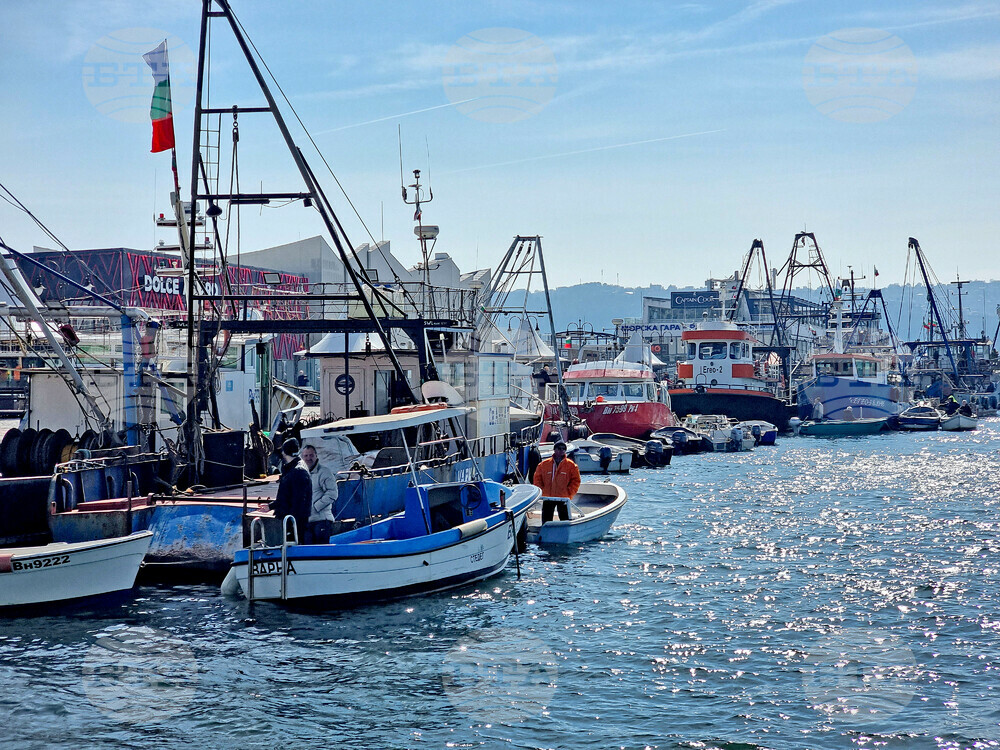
(558, 477)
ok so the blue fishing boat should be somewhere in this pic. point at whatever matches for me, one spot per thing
(842, 380)
(448, 535)
(376, 459)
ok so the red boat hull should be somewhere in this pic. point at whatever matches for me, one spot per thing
(632, 419)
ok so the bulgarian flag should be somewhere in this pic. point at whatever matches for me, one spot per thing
(160, 111)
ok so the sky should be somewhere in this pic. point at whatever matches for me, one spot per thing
(646, 142)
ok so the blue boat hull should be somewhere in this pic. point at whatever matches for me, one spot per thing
(867, 400)
(194, 537)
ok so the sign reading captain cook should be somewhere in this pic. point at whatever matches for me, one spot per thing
(706, 298)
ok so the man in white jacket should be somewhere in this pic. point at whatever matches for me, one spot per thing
(324, 497)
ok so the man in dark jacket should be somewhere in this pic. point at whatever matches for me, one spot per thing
(294, 496)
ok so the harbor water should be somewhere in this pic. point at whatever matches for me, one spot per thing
(817, 594)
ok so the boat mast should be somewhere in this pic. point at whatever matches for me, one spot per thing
(961, 316)
(424, 233)
(313, 195)
(915, 247)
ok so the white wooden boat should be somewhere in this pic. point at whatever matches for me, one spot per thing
(959, 422)
(593, 510)
(62, 571)
(719, 433)
(592, 457)
(448, 535)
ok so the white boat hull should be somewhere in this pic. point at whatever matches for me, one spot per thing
(374, 570)
(61, 572)
(959, 422)
(597, 505)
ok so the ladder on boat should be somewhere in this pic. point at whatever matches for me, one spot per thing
(258, 543)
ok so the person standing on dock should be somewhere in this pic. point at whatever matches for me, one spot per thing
(558, 477)
(324, 497)
(294, 496)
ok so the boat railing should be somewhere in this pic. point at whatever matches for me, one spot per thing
(530, 434)
(727, 386)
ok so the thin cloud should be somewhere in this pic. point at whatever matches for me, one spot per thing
(584, 151)
(978, 63)
(396, 117)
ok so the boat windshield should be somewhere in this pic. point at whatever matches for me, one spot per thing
(607, 390)
(866, 368)
(841, 367)
(713, 350)
(633, 390)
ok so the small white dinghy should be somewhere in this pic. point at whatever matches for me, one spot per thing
(593, 510)
(63, 571)
(959, 422)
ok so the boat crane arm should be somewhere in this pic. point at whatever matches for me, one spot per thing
(20, 286)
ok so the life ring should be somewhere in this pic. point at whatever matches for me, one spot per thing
(413, 408)
(655, 348)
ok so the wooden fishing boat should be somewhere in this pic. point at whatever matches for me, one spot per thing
(959, 422)
(920, 418)
(593, 511)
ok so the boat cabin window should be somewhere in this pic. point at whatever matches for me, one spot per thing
(692, 350)
(713, 350)
(633, 390)
(866, 368)
(452, 373)
(608, 390)
(736, 350)
(840, 367)
(651, 391)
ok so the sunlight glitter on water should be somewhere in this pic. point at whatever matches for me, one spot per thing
(818, 594)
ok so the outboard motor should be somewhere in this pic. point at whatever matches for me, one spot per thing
(604, 456)
(680, 439)
(654, 453)
(755, 431)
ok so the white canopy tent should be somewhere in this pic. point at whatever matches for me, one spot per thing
(636, 350)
